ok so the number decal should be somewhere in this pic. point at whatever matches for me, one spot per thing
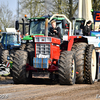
(97, 18)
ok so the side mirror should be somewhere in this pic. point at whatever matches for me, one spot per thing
(17, 25)
(73, 18)
(65, 24)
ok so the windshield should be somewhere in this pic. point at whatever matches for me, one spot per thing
(77, 25)
(37, 27)
(11, 39)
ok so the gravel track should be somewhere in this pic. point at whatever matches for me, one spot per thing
(41, 89)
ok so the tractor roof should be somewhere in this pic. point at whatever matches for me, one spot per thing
(47, 16)
(79, 19)
(9, 33)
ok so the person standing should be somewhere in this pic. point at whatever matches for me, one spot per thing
(87, 28)
(82, 26)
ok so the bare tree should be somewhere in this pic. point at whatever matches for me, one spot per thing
(32, 7)
(67, 7)
(6, 17)
(96, 5)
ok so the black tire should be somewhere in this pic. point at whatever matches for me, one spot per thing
(19, 73)
(31, 52)
(80, 49)
(12, 55)
(0, 54)
(29, 47)
(67, 68)
(90, 64)
(4, 55)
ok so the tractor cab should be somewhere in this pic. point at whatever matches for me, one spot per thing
(36, 26)
(77, 26)
(10, 40)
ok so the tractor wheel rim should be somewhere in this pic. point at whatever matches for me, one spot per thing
(93, 65)
(73, 68)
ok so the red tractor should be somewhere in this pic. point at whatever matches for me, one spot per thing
(71, 60)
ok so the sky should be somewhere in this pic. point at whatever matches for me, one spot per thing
(12, 5)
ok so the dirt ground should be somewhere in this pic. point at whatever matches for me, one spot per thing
(41, 89)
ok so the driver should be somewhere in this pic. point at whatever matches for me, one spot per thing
(54, 30)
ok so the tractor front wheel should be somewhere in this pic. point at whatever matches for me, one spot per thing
(19, 73)
(79, 49)
(67, 68)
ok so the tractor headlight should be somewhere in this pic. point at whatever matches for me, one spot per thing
(23, 41)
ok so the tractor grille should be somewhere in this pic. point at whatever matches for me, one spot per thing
(43, 49)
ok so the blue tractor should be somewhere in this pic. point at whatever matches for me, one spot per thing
(10, 41)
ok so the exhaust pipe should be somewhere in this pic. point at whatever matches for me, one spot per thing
(46, 27)
(23, 27)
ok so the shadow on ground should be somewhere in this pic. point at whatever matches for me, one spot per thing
(35, 81)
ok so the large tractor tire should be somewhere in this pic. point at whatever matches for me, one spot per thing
(19, 73)
(0, 54)
(4, 55)
(12, 55)
(80, 49)
(90, 64)
(67, 68)
(31, 52)
(29, 47)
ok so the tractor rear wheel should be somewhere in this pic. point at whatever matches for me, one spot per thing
(19, 73)
(67, 68)
(90, 64)
(12, 55)
(4, 55)
(0, 54)
(4, 70)
(80, 49)
(29, 47)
